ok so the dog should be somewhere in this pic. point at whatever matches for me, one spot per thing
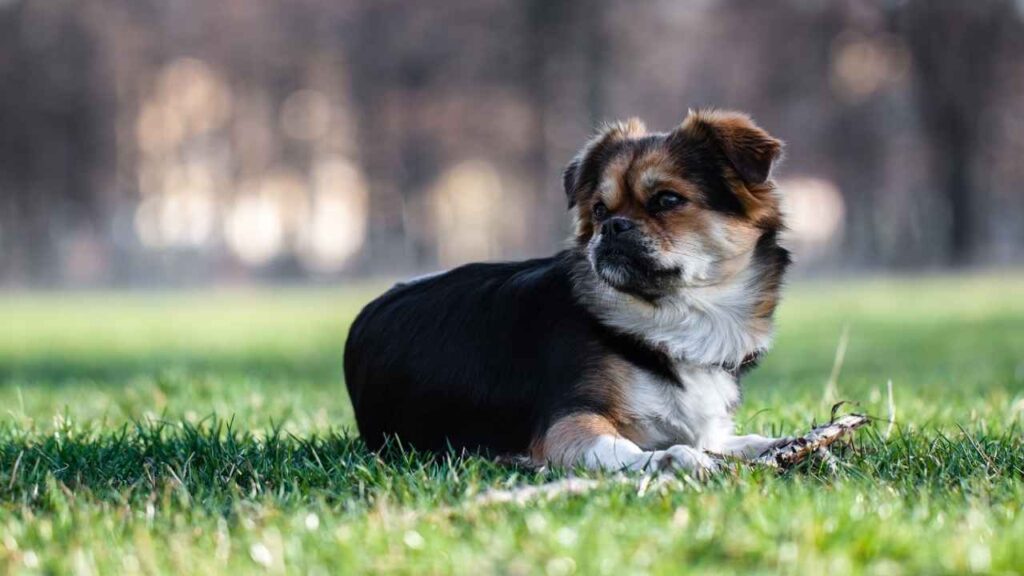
(622, 352)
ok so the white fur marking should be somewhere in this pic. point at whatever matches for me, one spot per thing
(698, 414)
(613, 453)
(749, 446)
(708, 325)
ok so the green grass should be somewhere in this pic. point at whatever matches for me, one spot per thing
(210, 432)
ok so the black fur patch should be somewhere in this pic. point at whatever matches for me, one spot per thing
(772, 261)
(701, 160)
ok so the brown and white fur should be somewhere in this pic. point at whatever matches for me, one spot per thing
(623, 352)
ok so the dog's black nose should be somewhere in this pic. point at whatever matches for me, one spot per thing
(617, 225)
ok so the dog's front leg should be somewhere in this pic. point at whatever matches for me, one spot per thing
(594, 442)
(750, 446)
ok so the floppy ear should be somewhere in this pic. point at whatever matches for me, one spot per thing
(750, 150)
(585, 168)
(569, 177)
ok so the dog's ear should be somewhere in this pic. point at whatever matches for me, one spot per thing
(749, 149)
(582, 172)
(569, 178)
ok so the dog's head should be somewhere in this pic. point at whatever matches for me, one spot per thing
(658, 212)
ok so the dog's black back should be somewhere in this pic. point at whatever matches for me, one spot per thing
(483, 357)
(468, 358)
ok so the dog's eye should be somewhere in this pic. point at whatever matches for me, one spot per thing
(600, 210)
(665, 200)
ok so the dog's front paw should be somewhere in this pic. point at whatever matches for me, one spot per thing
(753, 447)
(683, 458)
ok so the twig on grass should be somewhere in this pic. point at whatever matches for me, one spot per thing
(817, 439)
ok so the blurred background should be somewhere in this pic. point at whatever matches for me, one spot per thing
(201, 142)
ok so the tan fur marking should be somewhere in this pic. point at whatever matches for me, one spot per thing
(654, 167)
(566, 440)
(681, 226)
(610, 191)
(610, 381)
(569, 438)
(766, 307)
(631, 128)
(760, 201)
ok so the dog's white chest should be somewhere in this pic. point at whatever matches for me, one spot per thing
(698, 414)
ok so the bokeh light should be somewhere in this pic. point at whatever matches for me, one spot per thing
(254, 229)
(814, 212)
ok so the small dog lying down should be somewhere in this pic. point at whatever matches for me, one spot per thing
(624, 351)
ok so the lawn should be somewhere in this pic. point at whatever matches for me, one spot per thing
(210, 432)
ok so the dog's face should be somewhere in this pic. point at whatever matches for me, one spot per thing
(659, 212)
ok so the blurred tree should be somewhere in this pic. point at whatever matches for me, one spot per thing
(956, 48)
(57, 144)
(510, 87)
